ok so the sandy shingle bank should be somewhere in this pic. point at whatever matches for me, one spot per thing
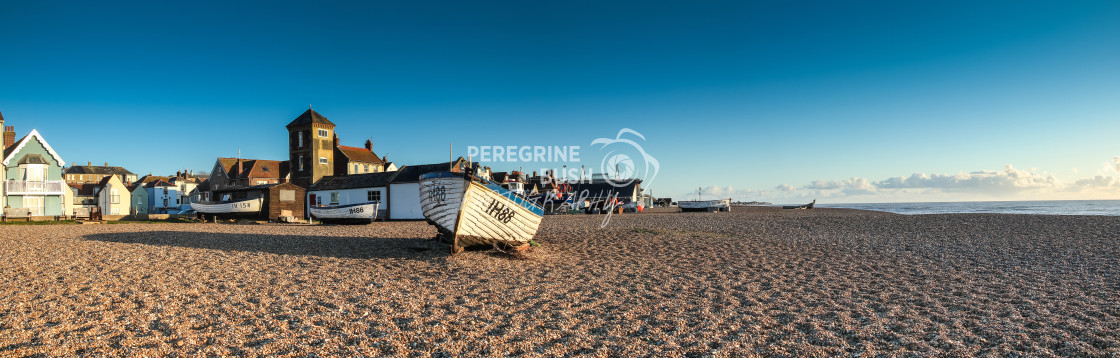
(754, 281)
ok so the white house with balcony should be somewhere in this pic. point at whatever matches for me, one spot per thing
(32, 181)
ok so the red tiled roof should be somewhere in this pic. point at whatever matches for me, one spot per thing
(151, 178)
(158, 183)
(359, 154)
(254, 168)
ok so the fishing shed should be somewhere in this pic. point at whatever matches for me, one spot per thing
(284, 199)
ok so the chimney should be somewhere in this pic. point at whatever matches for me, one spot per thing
(106, 163)
(336, 139)
(9, 136)
(369, 145)
(89, 164)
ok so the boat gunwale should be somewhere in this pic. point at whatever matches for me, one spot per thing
(342, 206)
(493, 186)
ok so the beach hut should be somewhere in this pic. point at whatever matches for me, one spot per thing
(404, 188)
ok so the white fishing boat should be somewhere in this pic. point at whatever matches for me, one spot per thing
(705, 205)
(472, 212)
(357, 213)
(231, 208)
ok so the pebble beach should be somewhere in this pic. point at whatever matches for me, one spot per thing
(756, 281)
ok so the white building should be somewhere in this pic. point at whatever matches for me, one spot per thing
(353, 189)
(397, 192)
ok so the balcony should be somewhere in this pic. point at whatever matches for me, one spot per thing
(25, 187)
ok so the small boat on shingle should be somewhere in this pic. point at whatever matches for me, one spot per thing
(470, 211)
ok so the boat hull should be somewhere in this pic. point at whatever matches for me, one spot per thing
(705, 205)
(473, 213)
(354, 213)
(242, 207)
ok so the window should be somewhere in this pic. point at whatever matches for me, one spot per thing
(301, 163)
(287, 195)
(164, 191)
(300, 140)
(334, 197)
(373, 196)
(32, 172)
(322, 160)
(262, 182)
(114, 198)
(323, 133)
(365, 168)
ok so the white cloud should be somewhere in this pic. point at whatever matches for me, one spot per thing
(1096, 182)
(716, 191)
(1010, 179)
(1010, 183)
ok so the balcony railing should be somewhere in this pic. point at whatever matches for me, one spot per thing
(25, 187)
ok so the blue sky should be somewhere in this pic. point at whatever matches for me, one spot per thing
(776, 101)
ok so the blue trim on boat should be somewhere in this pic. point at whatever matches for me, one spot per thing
(441, 175)
(528, 205)
(340, 206)
(515, 198)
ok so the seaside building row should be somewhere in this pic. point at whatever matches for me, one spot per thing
(319, 170)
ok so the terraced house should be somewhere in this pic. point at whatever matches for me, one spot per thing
(32, 176)
(90, 173)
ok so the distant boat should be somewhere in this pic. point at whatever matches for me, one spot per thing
(231, 208)
(705, 205)
(469, 211)
(806, 206)
(363, 213)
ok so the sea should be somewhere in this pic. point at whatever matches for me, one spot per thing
(1050, 207)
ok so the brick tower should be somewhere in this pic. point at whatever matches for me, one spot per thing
(310, 148)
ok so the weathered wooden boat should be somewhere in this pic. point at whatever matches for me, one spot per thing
(469, 211)
(705, 205)
(362, 213)
(806, 206)
(229, 208)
